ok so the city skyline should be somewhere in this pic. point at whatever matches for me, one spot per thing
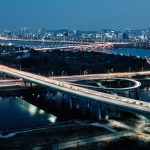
(92, 15)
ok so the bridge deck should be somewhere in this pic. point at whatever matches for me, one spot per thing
(92, 46)
(100, 76)
(121, 103)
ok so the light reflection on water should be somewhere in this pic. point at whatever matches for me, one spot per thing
(16, 113)
(33, 110)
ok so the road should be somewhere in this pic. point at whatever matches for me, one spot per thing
(85, 141)
(121, 103)
(10, 83)
(100, 76)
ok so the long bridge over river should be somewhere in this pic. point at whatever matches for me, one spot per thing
(89, 96)
(95, 47)
(72, 45)
(91, 47)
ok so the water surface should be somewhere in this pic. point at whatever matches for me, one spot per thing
(131, 51)
(16, 113)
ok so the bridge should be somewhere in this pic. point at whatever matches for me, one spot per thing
(100, 76)
(90, 47)
(10, 83)
(94, 47)
(130, 84)
(99, 98)
(16, 87)
(77, 45)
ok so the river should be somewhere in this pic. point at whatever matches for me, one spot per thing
(145, 53)
(16, 114)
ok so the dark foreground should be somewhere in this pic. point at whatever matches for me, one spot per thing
(126, 143)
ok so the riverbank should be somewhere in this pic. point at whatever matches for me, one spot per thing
(83, 135)
(46, 138)
(124, 143)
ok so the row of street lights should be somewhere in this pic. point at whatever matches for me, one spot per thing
(63, 73)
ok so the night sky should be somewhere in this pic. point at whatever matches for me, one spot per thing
(74, 14)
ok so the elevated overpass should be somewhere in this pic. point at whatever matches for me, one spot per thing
(16, 87)
(100, 76)
(121, 103)
(132, 84)
(10, 83)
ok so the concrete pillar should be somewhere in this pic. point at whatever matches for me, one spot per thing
(77, 105)
(71, 104)
(74, 103)
(130, 94)
(53, 100)
(106, 115)
(118, 83)
(87, 113)
(136, 94)
(30, 84)
(63, 101)
(53, 97)
(25, 83)
(99, 113)
(118, 114)
(88, 104)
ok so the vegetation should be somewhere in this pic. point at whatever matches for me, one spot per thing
(73, 63)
